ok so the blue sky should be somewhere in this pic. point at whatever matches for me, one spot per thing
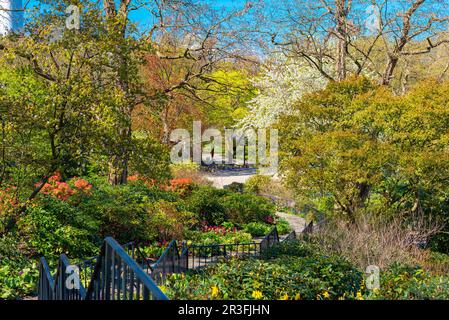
(142, 16)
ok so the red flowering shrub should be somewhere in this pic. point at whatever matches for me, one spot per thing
(54, 187)
(218, 230)
(8, 204)
(82, 185)
(62, 190)
(269, 219)
(181, 186)
(133, 178)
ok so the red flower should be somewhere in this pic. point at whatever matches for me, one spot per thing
(269, 219)
(133, 178)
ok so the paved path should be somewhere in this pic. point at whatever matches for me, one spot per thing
(296, 222)
(223, 178)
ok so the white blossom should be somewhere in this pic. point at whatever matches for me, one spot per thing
(282, 84)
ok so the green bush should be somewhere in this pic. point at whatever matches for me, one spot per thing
(245, 208)
(235, 187)
(127, 213)
(258, 229)
(18, 273)
(206, 203)
(49, 234)
(410, 283)
(257, 183)
(283, 226)
(218, 206)
(279, 277)
(218, 237)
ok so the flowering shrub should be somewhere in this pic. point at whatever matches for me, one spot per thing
(180, 186)
(8, 205)
(62, 190)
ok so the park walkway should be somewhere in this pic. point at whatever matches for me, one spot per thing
(296, 222)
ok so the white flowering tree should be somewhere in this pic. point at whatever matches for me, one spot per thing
(282, 84)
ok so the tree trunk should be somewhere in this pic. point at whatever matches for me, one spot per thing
(118, 163)
(389, 70)
(341, 14)
(118, 170)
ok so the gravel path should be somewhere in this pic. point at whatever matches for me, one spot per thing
(297, 223)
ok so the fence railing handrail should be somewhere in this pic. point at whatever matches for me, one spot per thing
(172, 246)
(138, 271)
(104, 274)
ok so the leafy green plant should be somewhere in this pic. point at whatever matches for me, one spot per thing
(18, 273)
(401, 282)
(257, 229)
(207, 203)
(257, 183)
(246, 208)
(283, 226)
(281, 276)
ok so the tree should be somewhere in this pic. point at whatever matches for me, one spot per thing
(369, 151)
(281, 84)
(62, 107)
(184, 76)
(360, 37)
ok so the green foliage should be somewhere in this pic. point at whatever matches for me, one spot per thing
(283, 226)
(292, 276)
(235, 187)
(50, 233)
(149, 158)
(207, 203)
(256, 183)
(245, 208)
(218, 237)
(410, 283)
(369, 150)
(217, 206)
(18, 274)
(258, 229)
(230, 105)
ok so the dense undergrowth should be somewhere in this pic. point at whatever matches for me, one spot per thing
(73, 217)
(302, 271)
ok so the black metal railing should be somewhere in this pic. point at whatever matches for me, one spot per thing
(171, 261)
(125, 273)
(177, 259)
(269, 240)
(113, 275)
(65, 285)
(200, 256)
(291, 236)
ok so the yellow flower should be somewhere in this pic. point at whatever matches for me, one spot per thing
(326, 295)
(359, 296)
(257, 294)
(284, 297)
(298, 296)
(214, 291)
(163, 289)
